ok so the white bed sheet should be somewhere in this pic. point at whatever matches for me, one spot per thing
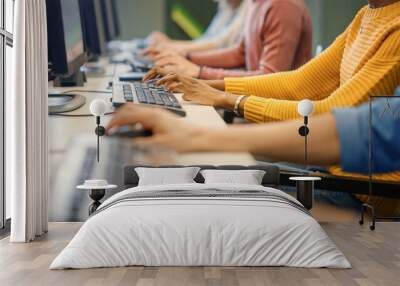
(200, 232)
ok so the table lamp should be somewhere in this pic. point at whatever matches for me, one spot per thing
(305, 185)
(305, 108)
(98, 108)
(97, 190)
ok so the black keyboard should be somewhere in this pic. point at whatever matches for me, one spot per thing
(142, 64)
(144, 93)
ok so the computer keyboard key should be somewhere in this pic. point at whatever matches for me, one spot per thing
(149, 96)
(173, 98)
(167, 101)
(157, 97)
(142, 100)
(128, 96)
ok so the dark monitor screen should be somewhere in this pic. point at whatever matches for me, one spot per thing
(110, 18)
(72, 29)
(100, 23)
(114, 8)
(93, 27)
(65, 38)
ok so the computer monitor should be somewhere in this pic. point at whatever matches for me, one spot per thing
(116, 18)
(66, 52)
(110, 18)
(93, 28)
(65, 37)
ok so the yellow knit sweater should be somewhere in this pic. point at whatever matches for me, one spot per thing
(364, 60)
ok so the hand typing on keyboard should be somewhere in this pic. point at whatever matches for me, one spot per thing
(197, 91)
(165, 128)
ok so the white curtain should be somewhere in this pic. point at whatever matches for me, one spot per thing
(26, 117)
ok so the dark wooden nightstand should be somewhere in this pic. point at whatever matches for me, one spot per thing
(97, 190)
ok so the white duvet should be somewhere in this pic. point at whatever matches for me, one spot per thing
(200, 232)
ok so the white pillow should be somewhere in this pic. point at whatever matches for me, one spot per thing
(166, 176)
(243, 177)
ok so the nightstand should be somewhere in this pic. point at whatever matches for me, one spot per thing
(97, 190)
(305, 190)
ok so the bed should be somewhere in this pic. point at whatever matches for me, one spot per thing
(201, 224)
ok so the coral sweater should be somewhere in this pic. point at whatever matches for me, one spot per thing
(363, 60)
(277, 37)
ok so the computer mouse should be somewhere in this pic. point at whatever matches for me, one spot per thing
(125, 133)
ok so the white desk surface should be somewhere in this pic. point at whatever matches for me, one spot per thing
(63, 129)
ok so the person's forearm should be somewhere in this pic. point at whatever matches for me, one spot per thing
(186, 47)
(217, 84)
(279, 141)
(180, 42)
(315, 80)
(227, 101)
(199, 46)
(208, 73)
(228, 58)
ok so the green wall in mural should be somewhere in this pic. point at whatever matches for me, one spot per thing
(331, 17)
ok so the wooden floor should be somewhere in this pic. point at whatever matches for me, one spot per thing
(375, 257)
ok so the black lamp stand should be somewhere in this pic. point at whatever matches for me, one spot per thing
(304, 131)
(100, 131)
(96, 195)
(305, 188)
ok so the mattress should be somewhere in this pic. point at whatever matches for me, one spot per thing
(201, 225)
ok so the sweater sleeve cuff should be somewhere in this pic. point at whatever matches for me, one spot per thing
(235, 85)
(254, 109)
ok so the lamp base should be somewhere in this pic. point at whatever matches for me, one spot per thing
(96, 196)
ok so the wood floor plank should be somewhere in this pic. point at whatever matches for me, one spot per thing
(375, 257)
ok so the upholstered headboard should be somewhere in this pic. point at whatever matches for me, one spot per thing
(271, 178)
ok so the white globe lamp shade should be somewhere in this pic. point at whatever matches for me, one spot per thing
(98, 107)
(305, 107)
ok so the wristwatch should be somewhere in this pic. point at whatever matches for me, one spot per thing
(238, 101)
